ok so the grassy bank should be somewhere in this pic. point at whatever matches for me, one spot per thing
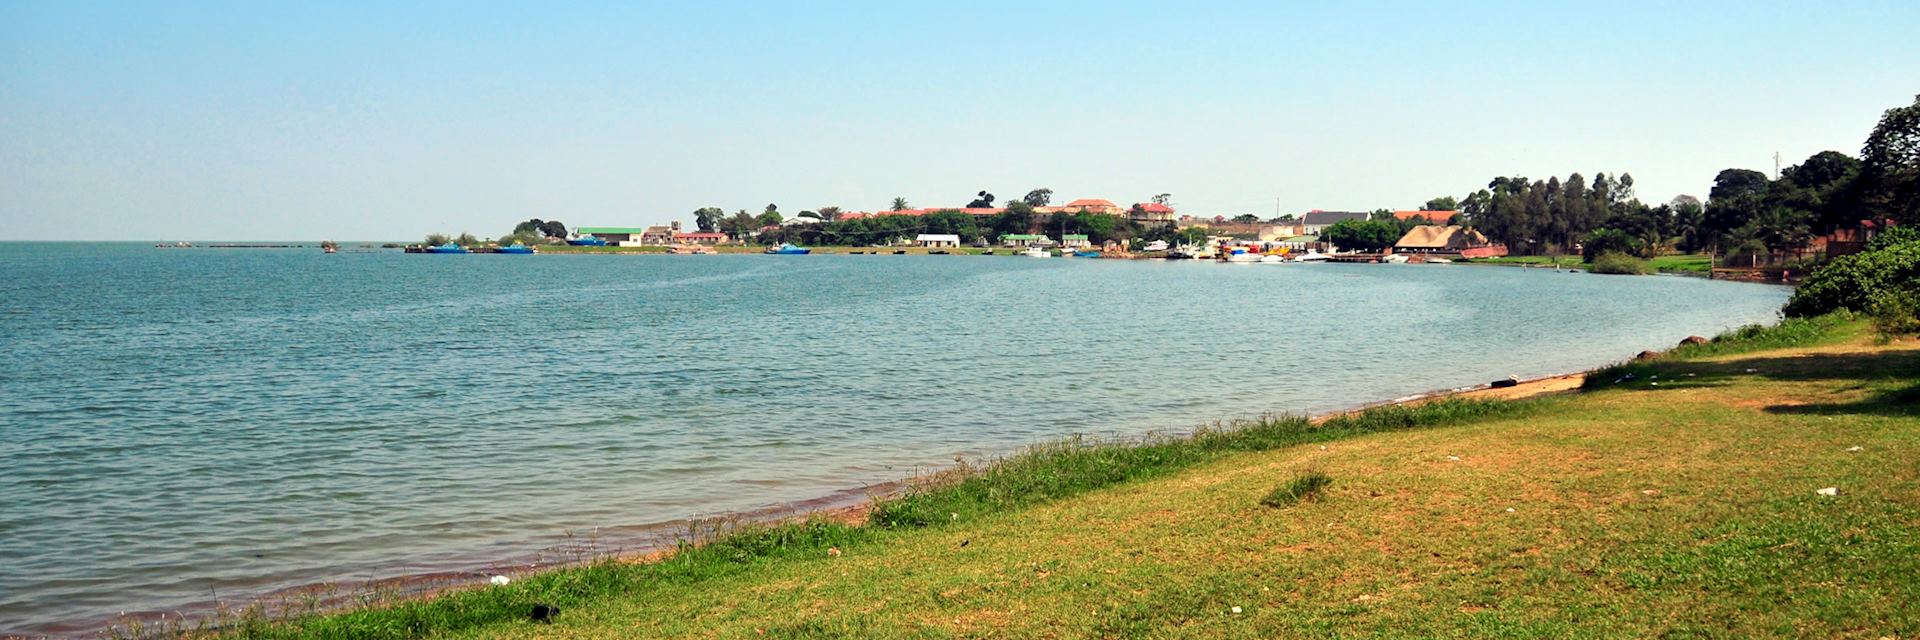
(1694, 263)
(1686, 508)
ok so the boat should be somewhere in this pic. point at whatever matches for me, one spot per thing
(1086, 253)
(329, 246)
(787, 249)
(1242, 255)
(515, 248)
(1439, 261)
(1037, 252)
(1311, 256)
(447, 248)
(1395, 258)
(588, 241)
(1157, 245)
(1273, 259)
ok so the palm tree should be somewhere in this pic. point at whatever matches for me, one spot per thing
(900, 203)
(1689, 223)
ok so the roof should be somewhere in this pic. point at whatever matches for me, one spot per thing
(1318, 217)
(1022, 236)
(700, 234)
(1433, 216)
(1437, 237)
(1092, 202)
(936, 237)
(1154, 207)
(609, 230)
(1074, 236)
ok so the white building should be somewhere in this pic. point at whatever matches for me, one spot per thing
(937, 240)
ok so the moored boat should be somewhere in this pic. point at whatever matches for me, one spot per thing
(1311, 256)
(446, 248)
(516, 248)
(588, 241)
(1086, 254)
(1037, 252)
(788, 249)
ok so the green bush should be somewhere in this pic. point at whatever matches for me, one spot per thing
(1604, 241)
(1620, 263)
(1895, 312)
(1857, 281)
(1893, 236)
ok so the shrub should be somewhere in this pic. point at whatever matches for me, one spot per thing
(1620, 263)
(1605, 241)
(1893, 236)
(1896, 312)
(1855, 282)
(1307, 486)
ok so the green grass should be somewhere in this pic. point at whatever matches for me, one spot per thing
(1307, 486)
(1789, 333)
(1689, 263)
(1620, 264)
(1680, 510)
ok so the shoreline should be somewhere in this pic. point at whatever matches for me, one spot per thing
(638, 543)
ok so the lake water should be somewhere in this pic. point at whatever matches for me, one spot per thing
(185, 424)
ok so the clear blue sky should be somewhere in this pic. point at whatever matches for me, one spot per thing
(357, 120)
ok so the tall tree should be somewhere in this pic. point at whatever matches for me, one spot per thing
(1890, 165)
(1736, 198)
(1163, 199)
(829, 214)
(900, 203)
(707, 218)
(1442, 203)
(1826, 186)
(1038, 197)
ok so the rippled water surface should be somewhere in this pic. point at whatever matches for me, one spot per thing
(181, 424)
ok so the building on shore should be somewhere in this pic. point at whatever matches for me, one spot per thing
(1075, 241)
(1316, 220)
(616, 236)
(937, 240)
(1448, 240)
(660, 234)
(700, 237)
(1151, 213)
(1025, 240)
(1439, 217)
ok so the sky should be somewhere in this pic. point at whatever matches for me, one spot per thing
(387, 121)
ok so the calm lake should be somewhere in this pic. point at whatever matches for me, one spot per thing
(179, 425)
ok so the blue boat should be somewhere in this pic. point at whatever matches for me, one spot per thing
(1086, 254)
(516, 248)
(447, 248)
(588, 241)
(786, 249)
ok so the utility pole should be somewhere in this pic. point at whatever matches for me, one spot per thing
(1276, 207)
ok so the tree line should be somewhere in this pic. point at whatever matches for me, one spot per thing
(1746, 212)
(1019, 216)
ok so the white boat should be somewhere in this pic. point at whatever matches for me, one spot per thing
(1157, 245)
(1273, 259)
(1243, 257)
(1439, 261)
(1311, 256)
(1395, 258)
(1037, 252)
